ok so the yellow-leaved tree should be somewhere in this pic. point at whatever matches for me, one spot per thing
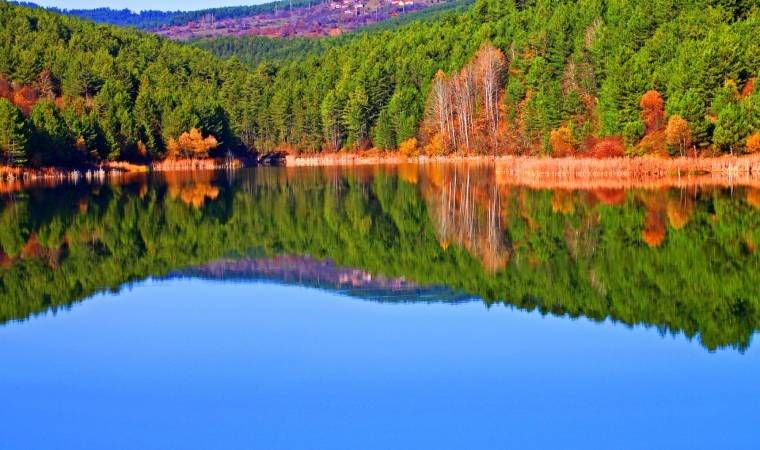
(678, 134)
(191, 145)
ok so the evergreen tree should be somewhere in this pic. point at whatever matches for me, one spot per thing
(355, 117)
(331, 121)
(50, 140)
(731, 128)
(384, 134)
(12, 134)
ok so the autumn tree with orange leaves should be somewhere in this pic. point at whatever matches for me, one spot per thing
(652, 110)
(191, 145)
(562, 142)
(678, 134)
(753, 143)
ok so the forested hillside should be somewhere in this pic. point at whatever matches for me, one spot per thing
(148, 19)
(305, 18)
(574, 77)
(75, 92)
(587, 77)
(122, 17)
(282, 18)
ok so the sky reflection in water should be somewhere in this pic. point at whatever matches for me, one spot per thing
(202, 364)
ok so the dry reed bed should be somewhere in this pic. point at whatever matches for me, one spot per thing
(359, 159)
(535, 172)
(13, 179)
(616, 173)
(51, 180)
(577, 167)
(196, 164)
(51, 174)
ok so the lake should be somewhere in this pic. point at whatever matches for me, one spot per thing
(409, 307)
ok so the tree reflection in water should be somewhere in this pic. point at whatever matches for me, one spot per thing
(681, 259)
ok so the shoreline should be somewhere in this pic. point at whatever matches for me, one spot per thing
(572, 173)
(528, 171)
(111, 169)
(388, 159)
(542, 165)
(638, 172)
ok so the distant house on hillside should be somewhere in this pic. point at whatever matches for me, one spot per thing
(402, 3)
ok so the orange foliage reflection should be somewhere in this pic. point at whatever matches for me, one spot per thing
(679, 212)
(192, 190)
(563, 201)
(753, 197)
(654, 228)
(610, 196)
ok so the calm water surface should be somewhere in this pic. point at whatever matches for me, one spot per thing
(411, 307)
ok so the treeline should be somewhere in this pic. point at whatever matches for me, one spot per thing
(254, 51)
(122, 17)
(681, 262)
(420, 17)
(596, 77)
(231, 12)
(151, 19)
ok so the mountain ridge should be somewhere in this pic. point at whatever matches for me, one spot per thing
(285, 18)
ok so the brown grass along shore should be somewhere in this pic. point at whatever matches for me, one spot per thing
(641, 172)
(579, 172)
(537, 172)
(112, 169)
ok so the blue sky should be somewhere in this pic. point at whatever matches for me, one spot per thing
(137, 5)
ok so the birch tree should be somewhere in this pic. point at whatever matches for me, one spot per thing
(491, 65)
(440, 109)
(464, 100)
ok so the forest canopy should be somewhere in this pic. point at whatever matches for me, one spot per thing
(586, 77)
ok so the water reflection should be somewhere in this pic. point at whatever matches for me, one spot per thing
(682, 259)
(465, 206)
(322, 274)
